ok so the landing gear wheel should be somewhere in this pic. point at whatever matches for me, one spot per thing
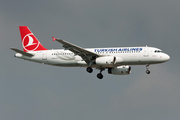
(89, 70)
(99, 75)
(147, 71)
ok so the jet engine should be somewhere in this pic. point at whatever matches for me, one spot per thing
(120, 70)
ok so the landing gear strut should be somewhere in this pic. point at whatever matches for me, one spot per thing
(147, 69)
(99, 75)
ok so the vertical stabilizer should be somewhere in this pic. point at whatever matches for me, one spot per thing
(29, 41)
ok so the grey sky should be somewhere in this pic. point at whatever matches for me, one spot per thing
(31, 91)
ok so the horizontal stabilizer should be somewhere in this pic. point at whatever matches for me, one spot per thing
(22, 52)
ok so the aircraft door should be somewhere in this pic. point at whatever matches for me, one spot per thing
(146, 51)
(44, 56)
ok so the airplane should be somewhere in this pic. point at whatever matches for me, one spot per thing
(117, 60)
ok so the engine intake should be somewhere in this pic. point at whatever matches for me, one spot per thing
(120, 70)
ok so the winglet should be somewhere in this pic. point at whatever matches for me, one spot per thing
(53, 38)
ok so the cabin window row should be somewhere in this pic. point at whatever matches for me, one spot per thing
(119, 52)
(62, 53)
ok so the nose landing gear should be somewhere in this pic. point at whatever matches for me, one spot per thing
(147, 69)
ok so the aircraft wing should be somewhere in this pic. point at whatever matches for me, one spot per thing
(86, 55)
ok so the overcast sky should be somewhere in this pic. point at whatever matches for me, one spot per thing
(32, 91)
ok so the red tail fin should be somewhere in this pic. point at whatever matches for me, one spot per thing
(29, 41)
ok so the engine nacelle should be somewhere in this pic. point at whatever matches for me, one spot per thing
(108, 60)
(120, 70)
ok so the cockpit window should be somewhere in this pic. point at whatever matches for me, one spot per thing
(158, 51)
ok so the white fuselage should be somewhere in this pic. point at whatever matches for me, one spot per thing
(128, 56)
(116, 60)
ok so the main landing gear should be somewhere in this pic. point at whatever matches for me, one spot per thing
(89, 70)
(147, 69)
(99, 75)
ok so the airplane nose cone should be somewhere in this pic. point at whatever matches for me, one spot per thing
(166, 57)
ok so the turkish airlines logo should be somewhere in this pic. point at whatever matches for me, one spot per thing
(29, 42)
